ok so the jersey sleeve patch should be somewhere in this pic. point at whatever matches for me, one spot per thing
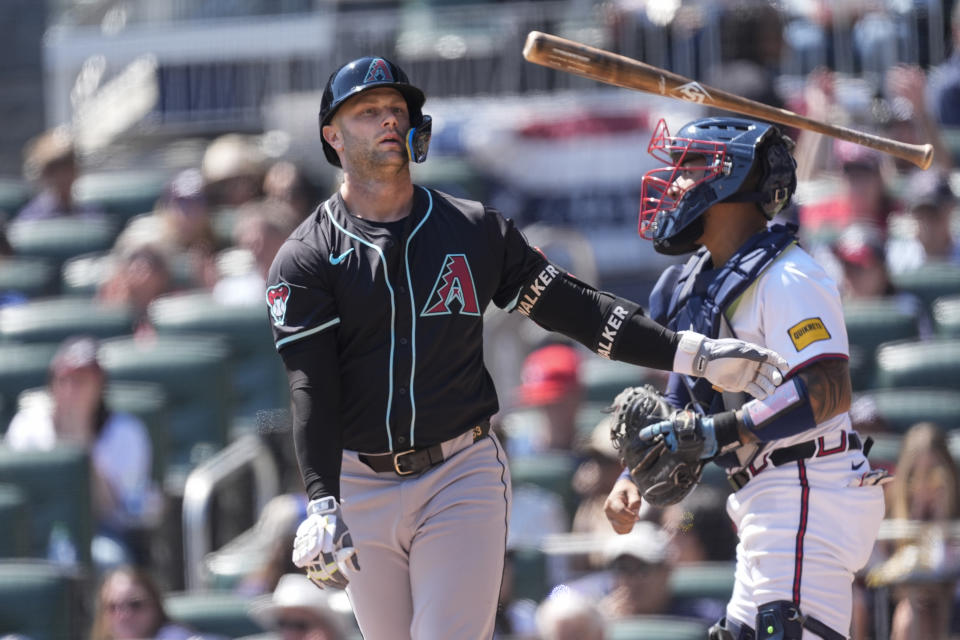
(277, 297)
(806, 332)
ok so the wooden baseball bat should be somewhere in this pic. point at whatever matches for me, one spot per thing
(596, 64)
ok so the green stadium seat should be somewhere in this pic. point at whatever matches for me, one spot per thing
(550, 471)
(930, 363)
(193, 372)
(15, 516)
(930, 281)
(223, 613)
(885, 450)
(530, 573)
(30, 277)
(870, 323)
(703, 580)
(13, 195)
(61, 238)
(122, 193)
(22, 366)
(656, 628)
(257, 374)
(604, 379)
(57, 486)
(901, 408)
(946, 316)
(54, 319)
(40, 601)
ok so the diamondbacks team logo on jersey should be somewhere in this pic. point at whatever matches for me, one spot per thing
(455, 282)
(378, 71)
(277, 297)
(806, 332)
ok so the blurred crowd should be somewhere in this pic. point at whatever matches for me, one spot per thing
(871, 218)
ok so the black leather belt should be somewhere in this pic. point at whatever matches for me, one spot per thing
(413, 461)
(799, 451)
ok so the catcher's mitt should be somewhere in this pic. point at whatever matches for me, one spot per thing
(664, 476)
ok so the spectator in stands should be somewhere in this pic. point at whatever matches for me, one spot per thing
(262, 227)
(926, 489)
(593, 480)
(699, 528)
(125, 499)
(286, 182)
(908, 115)
(130, 607)
(297, 610)
(931, 203)
(566, 615)
(943, 91)
(861, 258)
(233, 168)
(550, 386)
(50, 162)
(137, 277)
(179, 226)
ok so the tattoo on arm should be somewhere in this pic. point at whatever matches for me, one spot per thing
(828, 383)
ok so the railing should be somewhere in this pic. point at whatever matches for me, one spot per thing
(201, 486)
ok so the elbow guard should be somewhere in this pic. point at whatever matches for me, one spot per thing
(784, 413)
(559, 302)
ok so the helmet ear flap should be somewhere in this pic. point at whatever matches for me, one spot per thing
(778, 176)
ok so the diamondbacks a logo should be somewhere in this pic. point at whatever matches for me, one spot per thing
(277, 297)
(455, 282)
(378, 71)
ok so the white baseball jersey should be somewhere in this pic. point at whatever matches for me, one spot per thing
(805, 527)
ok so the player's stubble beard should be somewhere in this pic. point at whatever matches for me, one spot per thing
(367, 161)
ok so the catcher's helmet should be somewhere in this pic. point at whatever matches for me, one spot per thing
(372, 73)
(717, 154)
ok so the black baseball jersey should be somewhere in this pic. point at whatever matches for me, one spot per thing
(407, 312)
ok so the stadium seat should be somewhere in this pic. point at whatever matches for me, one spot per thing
(54, 319)
(223, 613)
(930, 281)
(61, 238)
(946, 316)
(30, 277)
(122, 193)
(40, 600)
(930, 363)
(57, 486)
(656, 628)
(530, 573)
(703, 580)
(15, 516)
(901, 408)
(550, 471)
(870, 323)
(193, 372)
(82, 275)
(257, 373)
(604, 379)
(13, 195)
(22, 366)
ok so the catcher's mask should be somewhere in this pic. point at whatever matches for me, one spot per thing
(368, 73)
(709, 163)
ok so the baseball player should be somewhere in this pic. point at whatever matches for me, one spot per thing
(377, 305)
(806, 504)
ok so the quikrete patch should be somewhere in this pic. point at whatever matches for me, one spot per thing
(808, 331)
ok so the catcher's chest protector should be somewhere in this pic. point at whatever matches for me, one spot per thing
(700, 296)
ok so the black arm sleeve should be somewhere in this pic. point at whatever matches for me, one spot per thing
(614, 327)
(314, 402)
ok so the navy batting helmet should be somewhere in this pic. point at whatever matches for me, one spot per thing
(373, 73)
(715, 155)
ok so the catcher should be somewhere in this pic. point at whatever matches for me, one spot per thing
(805, 504)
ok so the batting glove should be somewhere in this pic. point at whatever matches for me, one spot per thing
(323, 545)
(684, 429)
(731, 364)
